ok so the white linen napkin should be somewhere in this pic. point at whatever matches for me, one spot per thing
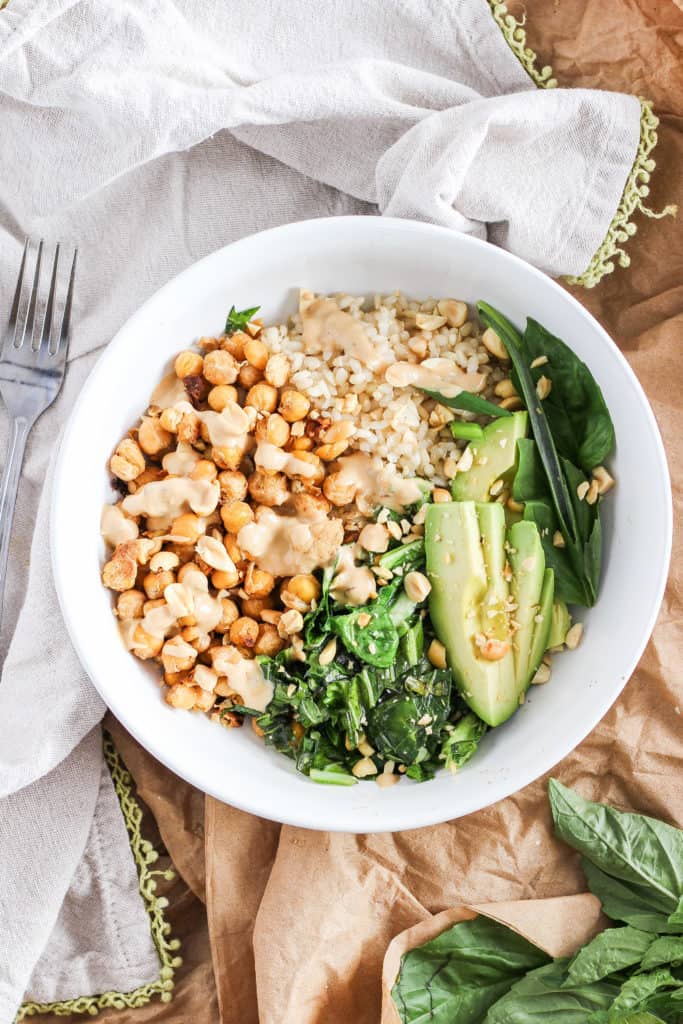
(113, 136)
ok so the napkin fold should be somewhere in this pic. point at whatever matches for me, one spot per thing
(151, 133)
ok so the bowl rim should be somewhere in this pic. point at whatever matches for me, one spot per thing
(344, 821)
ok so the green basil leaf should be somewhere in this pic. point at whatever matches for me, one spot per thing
(636, 991)
(610, 951)
(541, 996)
(578, 416)
(605, 1017)
(530, 480)
(468, 402)
(667, 949)
(631, 847)
(677, 916)
(457, 976)
(623, 901)
(569, 584)
(237, 321)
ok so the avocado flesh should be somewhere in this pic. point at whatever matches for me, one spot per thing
(494, 458)
(491, 519)
(527, 561)
(539, 643)
(560, 622)
(457, 563)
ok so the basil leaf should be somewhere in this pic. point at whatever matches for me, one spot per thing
(530, 480)
(626, 902)
(636, 991)
(238, 321)
(610, 951)
(542, 997)
(457, 976)
(605, 1017)
(667, 949)
(468, 402)
(569, 584)
(677, 916)
(634, 848)
(578, 416)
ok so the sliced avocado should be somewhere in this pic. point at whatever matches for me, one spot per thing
(491, 519)
(560, 621)
(527, 561)
(457, 563)
(494, 458)
(544, 617)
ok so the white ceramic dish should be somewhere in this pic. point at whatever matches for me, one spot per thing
(361, 255)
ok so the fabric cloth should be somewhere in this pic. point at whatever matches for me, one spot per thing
(109, 122)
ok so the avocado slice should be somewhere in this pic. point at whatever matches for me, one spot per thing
(494, 458)
(465, 575)
(560, 622)
(527, 561)
(539, 643)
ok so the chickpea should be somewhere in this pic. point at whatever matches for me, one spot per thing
(249, 375)
(293, 405)
(203, 699)
(193, 636)
(153, 603)
(302, 444)
(224, 580)
(170, 419)
(330, 452)
(234, 344)
(180, 697)
(120, 572)
(338, 492)
(152, 437)
(262, 397)
(317, 473)
(277, 370)
(127, 462)
(231, 613)
(188, 364)
(156, 582)
(177, 656)
(244, 632)
(220, 367)
(304, 587)
(187, 526)
(273, 429)
(129, 604)
(258, 582)
(233, 549)
(269, 641)
(204, 470)
(146, 645)
(233, 485)
(236, 515)
(308, 505)
(268, 488)
(219, 396)
(189, 428)
(257, 607)
(228, 456)
(256, 353)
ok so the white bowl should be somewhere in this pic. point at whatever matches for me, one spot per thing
(360, 255)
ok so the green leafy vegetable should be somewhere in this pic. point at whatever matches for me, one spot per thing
(462, 740)
(468, 431)
(404, 556)
(461, 973)
(636, 991)
(610, 951)
(238, 321)
(626, 902)
(468, 403)
(332, 778)
(575, 408)
(668, 949)
(542, 995)
(405, 727)
(631, 847)
(376, 643)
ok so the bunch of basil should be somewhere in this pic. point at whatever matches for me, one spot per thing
(480, 972)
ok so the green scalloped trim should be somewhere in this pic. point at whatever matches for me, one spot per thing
(144, 855)
(635, 191)
(515, 36)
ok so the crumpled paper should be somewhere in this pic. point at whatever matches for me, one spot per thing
(297, 923)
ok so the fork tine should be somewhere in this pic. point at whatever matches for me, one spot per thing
(11, 330)
(63, 345)
(31, 312)
(45, 334)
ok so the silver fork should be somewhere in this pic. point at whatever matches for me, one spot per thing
(32, 365)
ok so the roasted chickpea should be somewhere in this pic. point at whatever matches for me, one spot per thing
(309, 505)
(249, 375)
(170, 419)
(268, 488)
(187, 526)
(338, 492)
(256, 607)
(189, 428)
(262, 397)
(233, 549)
(231, 613)
(256, 353)
(199, 641)
(180, 696)
(220, 367)
(224, 580)
(273, 429)
(177, 656)
(127, 462)
(257, 582)
(146, 645)
(234, 344)
(277, 370)
(204, 470)
(188, 364)
(303, 587)
(219, 396)
(244, 632)
(152, 437)
(293, 405)
(156, 582)
(302, 444)
(228, 456)
(316, 473)
(233, 485)
(236, 515)
(120, 572)
(129, 604)
(269, 641)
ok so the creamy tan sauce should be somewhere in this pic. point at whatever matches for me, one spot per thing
(376, 483)
(244, 676)
(228, 427)
(182, 461)
(326, 326)
(352, 584)
(276, 460)
(191, 598)
(115, 527)
(168, 392)
(171, 497)
(287, 545)
(440, 375)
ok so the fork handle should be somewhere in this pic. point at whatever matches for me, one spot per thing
(9, 486)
